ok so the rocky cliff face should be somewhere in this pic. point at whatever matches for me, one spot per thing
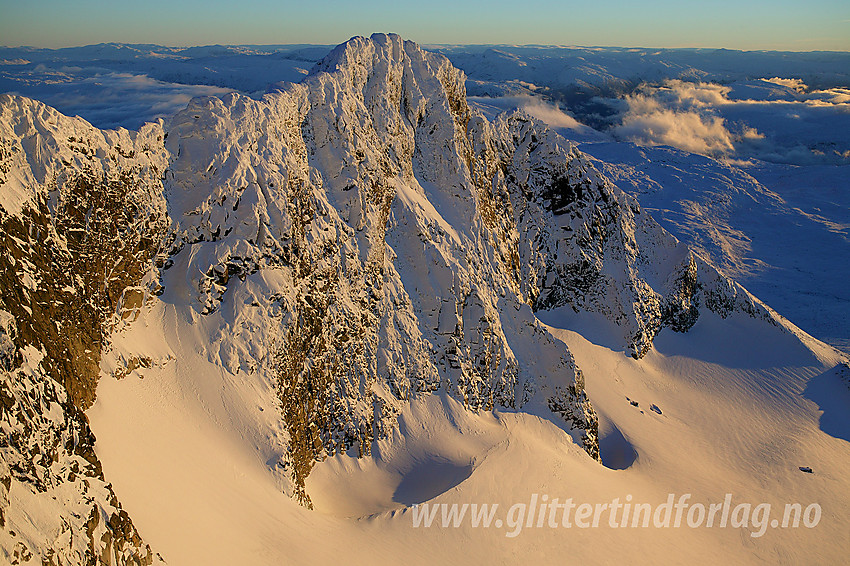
(82, 216)
(364, 237)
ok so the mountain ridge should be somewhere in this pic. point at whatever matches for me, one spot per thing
(355, 241)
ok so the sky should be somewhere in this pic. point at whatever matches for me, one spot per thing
(735, 24)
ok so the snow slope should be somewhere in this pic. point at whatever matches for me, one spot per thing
(740, 415)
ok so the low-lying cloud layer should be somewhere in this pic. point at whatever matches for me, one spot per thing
(108, 100)
(777, 119)
(648, 120)
(117, 85)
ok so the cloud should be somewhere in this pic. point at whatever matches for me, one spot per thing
(795, 84)
(544, 111)
(777, 119)
(649, 122)
(124, 86)
(685, 94)
(551, 114)
(112, 100)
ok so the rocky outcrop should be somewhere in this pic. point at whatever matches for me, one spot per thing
(81, 221)
(55, 505)
(843, 371)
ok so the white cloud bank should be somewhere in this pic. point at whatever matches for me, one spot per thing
(649, 121)
(546, 112)
(777, 119)
(112, 100)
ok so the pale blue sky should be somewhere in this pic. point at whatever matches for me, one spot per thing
(799, 25)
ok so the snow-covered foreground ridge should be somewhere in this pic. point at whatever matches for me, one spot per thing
(353, 244)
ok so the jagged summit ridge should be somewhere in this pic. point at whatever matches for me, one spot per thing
(364, 197)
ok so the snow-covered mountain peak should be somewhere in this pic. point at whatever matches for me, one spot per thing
(305, 267)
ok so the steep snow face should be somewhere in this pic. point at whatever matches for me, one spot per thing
(345, 246)
(586, 244)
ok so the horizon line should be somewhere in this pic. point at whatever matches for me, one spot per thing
(429, 45)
